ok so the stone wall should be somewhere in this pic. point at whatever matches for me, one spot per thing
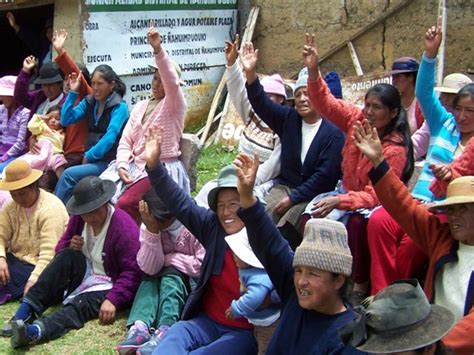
(279, 33)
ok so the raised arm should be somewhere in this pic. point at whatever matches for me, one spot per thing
(271, 113)
(66, 63)
(394, 196)
(267, 243)
(435, 114)
(200, 221)
(339, 112)
(22, 94)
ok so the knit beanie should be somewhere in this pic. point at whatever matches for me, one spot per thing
(274, 84)
(302, 80)
(334, 84)
(324, 247)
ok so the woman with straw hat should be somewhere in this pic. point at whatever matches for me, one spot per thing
(30, 227)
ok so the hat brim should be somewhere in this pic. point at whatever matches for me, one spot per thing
(6, 92)
(240, 246)
(54, 79)
(401, 71)
(19, 184)
(426, 332)
(74, 208)
(455, 200)
(212, 196)
(446, 89)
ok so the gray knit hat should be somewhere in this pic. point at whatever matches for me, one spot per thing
(324, 247)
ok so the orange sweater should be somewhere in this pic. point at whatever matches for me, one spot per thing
(434, 238)
(355, 166)
(75, 135)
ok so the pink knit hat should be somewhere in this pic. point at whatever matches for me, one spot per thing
(7, 85)
(274, 84)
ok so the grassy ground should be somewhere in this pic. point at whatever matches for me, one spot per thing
(95, 338)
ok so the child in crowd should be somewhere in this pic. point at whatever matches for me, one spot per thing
(170, 256)
(255, 287)
(13, 121)
(49, 136)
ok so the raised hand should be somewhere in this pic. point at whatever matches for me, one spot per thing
(147, 218)
(246, 169)
(311, 56)
(12, 21)
(433, 38)
(59, 37)
(249, 57)
(29, 64)
(231, 50)
(75, 81)
(154, 38)
(367, 140)
(153, 140)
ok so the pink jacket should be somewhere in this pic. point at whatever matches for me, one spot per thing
(462, 166)
(159, 250)
(169, 114)
(355, 166)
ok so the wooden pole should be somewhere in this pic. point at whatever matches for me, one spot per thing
(441, 54)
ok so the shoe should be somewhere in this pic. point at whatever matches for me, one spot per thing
(19, 335)
(156, 338)
(7, 327)
(135, 338)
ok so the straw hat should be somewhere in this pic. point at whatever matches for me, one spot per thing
(452, 83)
(19, 174)
(460, 190)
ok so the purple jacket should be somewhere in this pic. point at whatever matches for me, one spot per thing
(119, 255)
(25, 97)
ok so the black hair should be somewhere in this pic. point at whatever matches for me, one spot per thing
(85, 72)
(390, 98)
(346, 289)
(109, 75)
(467, 90)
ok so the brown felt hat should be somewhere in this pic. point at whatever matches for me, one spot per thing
(18, 174)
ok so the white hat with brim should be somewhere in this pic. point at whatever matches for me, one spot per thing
(239, 243)
(460, 191)
(452, 83)
(18, 174)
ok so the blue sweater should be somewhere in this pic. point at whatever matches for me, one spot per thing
(202, 223)
(444, 132)
(255, 286)
(322, 166)
(99, 144)
(300, 331)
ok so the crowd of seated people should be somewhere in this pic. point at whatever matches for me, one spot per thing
(309, 242)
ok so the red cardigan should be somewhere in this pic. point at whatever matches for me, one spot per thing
(355, 166)
(434, 238)
(75, 134)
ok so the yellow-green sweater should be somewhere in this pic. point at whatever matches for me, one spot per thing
(33, 239)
